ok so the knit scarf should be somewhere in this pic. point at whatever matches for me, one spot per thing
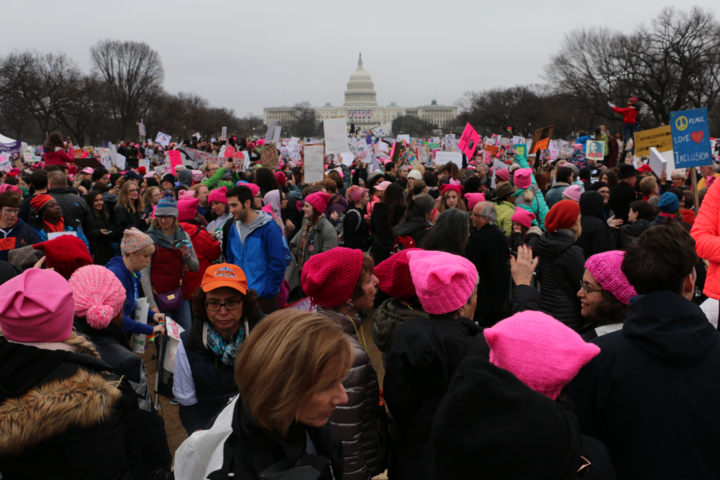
(50, 228)
(308, 228)
(224, 348)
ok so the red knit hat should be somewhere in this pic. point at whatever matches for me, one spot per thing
(457, 188)
(142, 170)
(281, 178)
(65, 254)
(39, 201)
(318, 200)
(329, 278)
(394, 277)
(562, 215)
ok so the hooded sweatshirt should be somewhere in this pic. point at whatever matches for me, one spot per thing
(651, 394)
(594, 237)
(185, 177)
(131, 282)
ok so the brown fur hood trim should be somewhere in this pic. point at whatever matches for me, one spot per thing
(50, 409)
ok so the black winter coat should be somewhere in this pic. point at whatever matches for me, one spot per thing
(414, 228)
(76, 211)
(383, 239)
(488, 250)
(619, 238)
(651, 395)
(560, 271)
(356, 233)
(125, 219)
(422, 360)
(360, 424)
(103, 243)
(594, 237)
(621, 196)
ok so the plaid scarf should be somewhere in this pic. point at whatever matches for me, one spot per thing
(308, 228)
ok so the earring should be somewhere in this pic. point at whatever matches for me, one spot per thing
(350, 306)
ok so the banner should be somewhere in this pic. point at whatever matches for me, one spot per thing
(314, 166)
(175, 160)
(691, 138)
(11, 148)
(163, 139)
(269, 156)
(660, 138)
(336, 139)
(469, 141)
(198, 158)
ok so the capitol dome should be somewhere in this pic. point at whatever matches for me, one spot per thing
(360, 88)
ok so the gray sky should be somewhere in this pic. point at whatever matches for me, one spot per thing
(247, 55)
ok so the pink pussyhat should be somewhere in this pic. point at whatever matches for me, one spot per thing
(605, 269)
(541, 351)
(503, 175)
(443, 282)
(573, 192)
(523, 177)
(98, 295)
(36, 307)
(474, 198)
(523, 217)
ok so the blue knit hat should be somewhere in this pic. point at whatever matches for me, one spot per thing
(669, 203)
(167, 207)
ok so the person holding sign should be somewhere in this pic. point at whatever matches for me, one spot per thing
(50, 222)
(55, 151)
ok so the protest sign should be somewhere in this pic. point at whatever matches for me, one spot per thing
(161, 169)
(276, 135)
(541, 134)
(223, 133)
(541, 145)
(120, 161)
(140, 315)
(594, 150)
(423, 154)
(433, 146)
(141, 129)
(145, 163)
(5, 165)
(241, 160)
(29, 157)
(691, 138)
(270, 134)
(314, 166)
(175, 160)
(404, 137)
(469, 141)
(336, 140)
(441, 158)
(660, 138)
(269, 156)
(163, 139)
(197, 157)
(521, 149)
(11, 148)
(659, 162)
(518, 140)
(347, 159)
(487, 157)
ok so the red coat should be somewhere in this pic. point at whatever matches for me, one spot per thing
(61, 157)
(207, 250)
(706, 232)
(629, 114)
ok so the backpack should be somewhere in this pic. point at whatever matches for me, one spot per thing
(401, 243)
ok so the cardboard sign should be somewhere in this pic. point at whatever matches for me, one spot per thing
(347, 159)
(469, 141)
(270, 131)
(140, 315)
(269, 156)
(487, 157)
(691, 138)
(660, 138)
(441, 158)
(163, 139)
(336, 140)
(120, 161)
(521, 149)
(175, 160)
(241, 160)
(541, 134)
(173, 329)
(314, 166)
(658, 162)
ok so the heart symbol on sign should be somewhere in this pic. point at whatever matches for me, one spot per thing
(697, 136)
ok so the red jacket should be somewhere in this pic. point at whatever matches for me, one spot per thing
(61, 157)
(688, 216)
(629, 114)
(706, 232)
(207, 250)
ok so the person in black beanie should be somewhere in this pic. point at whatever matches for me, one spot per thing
(490, 425)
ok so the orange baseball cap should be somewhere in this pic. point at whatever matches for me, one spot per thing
(224, 275)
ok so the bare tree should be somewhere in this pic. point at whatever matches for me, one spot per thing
(133, 75)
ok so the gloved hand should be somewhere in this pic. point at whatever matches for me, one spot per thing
(611, 105)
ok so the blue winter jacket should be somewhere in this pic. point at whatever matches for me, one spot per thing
(43, 236)
(132, 287)
(261, 257)
(582, 140)
(21, 235)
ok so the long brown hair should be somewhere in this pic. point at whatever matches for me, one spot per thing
(54, 140)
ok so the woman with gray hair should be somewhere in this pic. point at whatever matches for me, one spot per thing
(417, 221)
(679, 177)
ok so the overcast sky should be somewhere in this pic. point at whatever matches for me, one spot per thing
(246, 55)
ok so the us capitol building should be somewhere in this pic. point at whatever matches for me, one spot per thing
(361, 108)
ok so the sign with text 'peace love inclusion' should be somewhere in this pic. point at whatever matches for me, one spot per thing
(691, 138)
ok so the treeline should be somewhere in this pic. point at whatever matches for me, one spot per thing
(41, 93)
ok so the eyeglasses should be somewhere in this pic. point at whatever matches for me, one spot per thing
(583, 468)
(587, 289)
(10, 212)
(215, 306)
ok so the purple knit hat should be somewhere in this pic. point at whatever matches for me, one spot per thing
(523, 177)
(605, 269)
(517, 343)
(573, 193)
(443, 282)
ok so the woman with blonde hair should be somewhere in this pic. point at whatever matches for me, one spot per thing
(289, 373)
(150, 199)
(129, 210)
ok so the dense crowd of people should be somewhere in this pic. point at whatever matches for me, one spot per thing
(555, 318)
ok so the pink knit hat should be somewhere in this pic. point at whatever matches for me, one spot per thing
(443, 282)
(218, 195)
(329, 278)
(573, 193)
(318, 200)
(36, 307)
(186, 194)
(253, 188)
(503, 175)
(523, 217)
(605, 269)
(98, 295)
(523, 177)
(474, 198)
(541, 351)
(187, 209)
(577, 146)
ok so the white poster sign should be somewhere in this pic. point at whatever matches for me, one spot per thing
(314, 165)
(140, 315)
(270, 134)
(441, 158)
(223, 133)
(497, 165)
(163, 139)
(336, 139)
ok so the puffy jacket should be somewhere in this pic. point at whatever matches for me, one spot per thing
(594, 237)
(505, 211)
(629, 113)
(360, 424)
(21, 235)
(560, 271)
(532, 237)
(538, 205)
(207, 250)
(389, 316)
(75, 209)
(261, 256)
(216, 180)
(554, 195)
(706, 232)
(58, 157)
(619, 238)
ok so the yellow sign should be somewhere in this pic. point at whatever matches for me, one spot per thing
(660, 138)
(681, 123)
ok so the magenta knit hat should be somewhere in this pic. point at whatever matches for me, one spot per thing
(318, 200)
(36, 307)
(523, 217)
(443, 281)
(541, 351)
(218, 195)
(187, 209)
(573, 193)
(329, 278)
(503, 175)
(474, 198)
(523, 177)
(98, 295)
(605, 269)
(253, 188)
